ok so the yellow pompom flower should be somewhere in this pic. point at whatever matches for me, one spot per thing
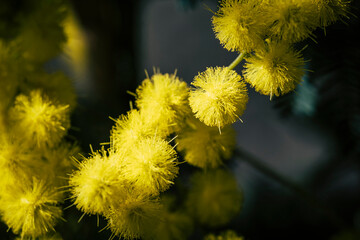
(274, 70)
(151, 165)
(97, 184)
(130, 129)
(30, 209)
(39, 120)
(204, 146)
(239, 25)
(292, 20)
(228, 235)
(214, 198)
(329, 11)
(163, 100)
(135, 217)
(219, 96)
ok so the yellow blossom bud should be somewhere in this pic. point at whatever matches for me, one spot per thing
(151, 165)
(163, 101)
(219, 98)
(135, 217)
(291, 20)
(97, 184)
(30, 209)
(39, 120)
(130, 129)
(239, 24)
(274, 70)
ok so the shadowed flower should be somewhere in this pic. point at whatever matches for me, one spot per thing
(274, 70)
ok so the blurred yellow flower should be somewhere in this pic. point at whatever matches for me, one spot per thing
(214, 198)
(204, 146)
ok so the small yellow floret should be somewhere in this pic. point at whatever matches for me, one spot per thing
(204, 146)
(219, 98)
(97, 184)
(275, 70)
(214, 198)
(163, 101)
(292, 20)
(239, 25)
(134, 218)
(130, 129)
(30, 210)
(228, 235)
(151, 165)
(39, 120)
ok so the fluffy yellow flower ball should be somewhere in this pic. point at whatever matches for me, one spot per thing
(30, 209)
(292, 20)
(204, 146)
(274, 70)
(239, 24)
(151, 165)
(134, 218)
(163, 100)
(131, 128)
(39, 120)
(97, 184)
(214, 198)
(219, 98)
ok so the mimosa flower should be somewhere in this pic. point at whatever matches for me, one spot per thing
(275, 70)
(239, 25)
(219, 96)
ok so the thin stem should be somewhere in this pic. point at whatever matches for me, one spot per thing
(237, 60)
(293, 186)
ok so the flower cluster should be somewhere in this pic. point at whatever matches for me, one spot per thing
(35, 108)
(123, 183)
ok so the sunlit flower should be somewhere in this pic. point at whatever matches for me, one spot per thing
(239, 24)
(151, 166)
(219, 96)
(163, 101)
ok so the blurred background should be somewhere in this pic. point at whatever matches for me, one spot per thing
(311, 136)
